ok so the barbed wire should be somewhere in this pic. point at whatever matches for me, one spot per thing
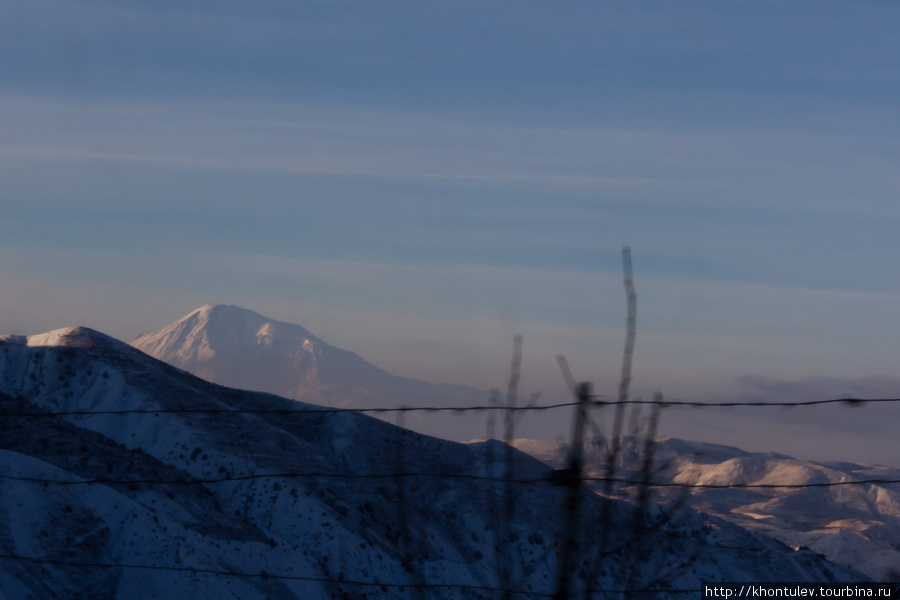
(701, 404)
(593, 402)
(557, 477)
(284, 411)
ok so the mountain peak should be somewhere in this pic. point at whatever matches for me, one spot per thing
(237, 347)
(70, 337)
(223, 311)
(221, 328)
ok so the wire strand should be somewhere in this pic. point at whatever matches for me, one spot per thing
(552, 478)
(595, 401)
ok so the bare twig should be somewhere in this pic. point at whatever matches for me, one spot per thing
(571, 478)
(627, 357)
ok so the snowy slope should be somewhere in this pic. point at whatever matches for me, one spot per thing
(858, 525)
(240, 348)
(304, 503)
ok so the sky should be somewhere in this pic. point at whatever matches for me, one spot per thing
(421, 181)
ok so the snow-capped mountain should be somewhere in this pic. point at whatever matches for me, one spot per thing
(858, 525)
(240, 348)
(148, 482)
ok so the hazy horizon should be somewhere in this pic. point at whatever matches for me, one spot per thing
(817, 433)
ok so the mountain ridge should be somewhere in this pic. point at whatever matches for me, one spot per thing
(858, 525)
(72, 337)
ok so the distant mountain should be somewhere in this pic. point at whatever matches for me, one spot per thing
(123, 477)
(858, 525)
(240, 348)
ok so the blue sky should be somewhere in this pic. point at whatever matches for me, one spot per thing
(419, 182)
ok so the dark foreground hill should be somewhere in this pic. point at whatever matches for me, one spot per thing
(123, 477)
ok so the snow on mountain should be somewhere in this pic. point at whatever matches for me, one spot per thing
(202, 491)
(857, 525)
(240, 348)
